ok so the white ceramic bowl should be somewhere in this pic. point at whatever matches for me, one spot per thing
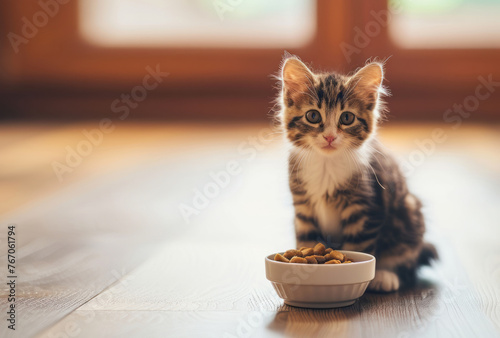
(321, 285)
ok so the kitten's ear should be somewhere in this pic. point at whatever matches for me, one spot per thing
(369, 79)
(297, 79)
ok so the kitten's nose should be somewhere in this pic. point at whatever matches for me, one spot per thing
(329, 138)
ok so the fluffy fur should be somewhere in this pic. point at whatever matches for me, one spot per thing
(348, 191)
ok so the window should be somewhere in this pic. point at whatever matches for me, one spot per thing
(428, 24)
(218, 57)
(198, 23)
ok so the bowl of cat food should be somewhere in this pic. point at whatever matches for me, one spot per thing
(320, 277)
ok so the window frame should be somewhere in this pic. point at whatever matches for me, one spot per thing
(86, 61)
(58, 68)
(428, 82)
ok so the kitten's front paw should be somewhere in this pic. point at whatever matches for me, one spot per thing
(384, 281)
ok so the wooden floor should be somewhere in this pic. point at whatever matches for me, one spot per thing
(106, 252)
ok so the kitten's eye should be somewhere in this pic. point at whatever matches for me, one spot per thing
(313, 116)
(347, 118)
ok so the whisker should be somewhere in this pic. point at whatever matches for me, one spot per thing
(299, 155)
(352, 157)
(376, 177)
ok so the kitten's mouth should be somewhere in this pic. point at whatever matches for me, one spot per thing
(329, 147)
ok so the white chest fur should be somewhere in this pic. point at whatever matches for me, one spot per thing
(323, 175)
(328, 219)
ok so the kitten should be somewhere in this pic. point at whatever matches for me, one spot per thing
(348, 192)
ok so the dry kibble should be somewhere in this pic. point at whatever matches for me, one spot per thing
(337, 255)
(291, 253)
(311, 260)
(310, 256)
(319, 249)
(319, 258)
(333, 261)
(296, 259)
(303, 247)
(307, 252)
(280, 258)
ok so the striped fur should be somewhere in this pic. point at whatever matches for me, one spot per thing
(349, 194)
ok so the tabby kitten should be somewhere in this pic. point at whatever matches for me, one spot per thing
(348, 192)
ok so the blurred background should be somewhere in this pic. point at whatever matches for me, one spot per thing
(220, 54)
(85, 64)
(132, 129)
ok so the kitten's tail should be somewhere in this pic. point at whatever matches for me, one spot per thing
(428, 254)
